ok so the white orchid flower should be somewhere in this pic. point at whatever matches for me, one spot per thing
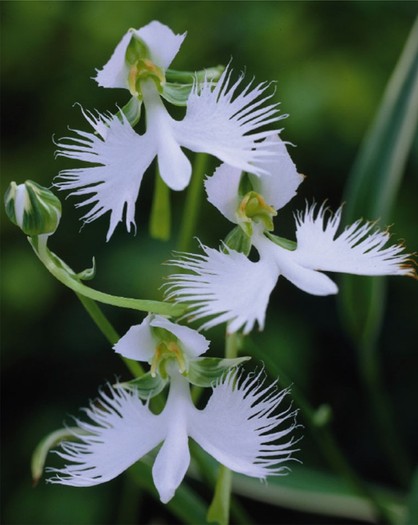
(240, 426)
(228, 287)
(218, 121)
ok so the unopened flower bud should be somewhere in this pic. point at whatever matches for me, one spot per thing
(35, 209)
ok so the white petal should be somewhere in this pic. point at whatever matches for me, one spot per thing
(122, 430)
(227, 286)
(173, 458)
(121, 158)
(193, 343)
(115, 72)
(282, 181)
(227, 125)
(138, 343)
(289, 265)
(175, 168)
(240, 426)
(162, 43)
(359, 249)
(222, 190)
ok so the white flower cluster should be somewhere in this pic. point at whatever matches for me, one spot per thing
(240, 425)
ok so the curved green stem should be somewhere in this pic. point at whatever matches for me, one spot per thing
(69, 278)
(193, 203)
(108, 331)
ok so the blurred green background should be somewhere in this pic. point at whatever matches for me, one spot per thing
(331, 62)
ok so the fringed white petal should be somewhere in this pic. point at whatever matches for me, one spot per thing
(283, 180)
(228, 125)
(193, 343)
(242, 428)
(122, 430)
(163, 46)
(225, 286)
(359, 249)
(121, 157)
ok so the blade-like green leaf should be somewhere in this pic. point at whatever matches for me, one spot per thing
(412, 502)
(374, 182)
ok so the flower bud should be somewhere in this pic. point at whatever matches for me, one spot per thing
(35, 209)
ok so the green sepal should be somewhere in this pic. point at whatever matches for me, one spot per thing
(131, 110)
(33, 208)
(177, 94)
(204, 371)
(41, 451)
(209, 74)
(238, 240)
(146, 386)
(282, 242)
(89, 273)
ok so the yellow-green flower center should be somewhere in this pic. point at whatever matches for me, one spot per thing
(167, 351)
(253, 207)
(143, 69)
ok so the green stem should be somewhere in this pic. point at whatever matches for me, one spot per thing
(108, 331)
(68, 277)
(193, 203)
(160, 222)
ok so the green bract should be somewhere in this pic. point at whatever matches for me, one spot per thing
(146, 386)
(36, 210)
(282, 242)
(238, 240)
(205, 371)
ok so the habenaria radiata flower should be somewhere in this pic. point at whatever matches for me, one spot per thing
(224, 121)
(228, 287)
(240, 425)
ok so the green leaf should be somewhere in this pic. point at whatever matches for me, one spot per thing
(146, 386)
(204, 371)
(41, 451)
(374, 182)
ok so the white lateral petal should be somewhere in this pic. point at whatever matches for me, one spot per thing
(114, 73)
(193, 343)
(282, 181)
(162, 43)
(226, 286)
(225, 124)
(222, 190)
(290, 266)
(359, 249)
(138, 342)
(173, 459)
(122, 430)
(240, 426)
(121, 158)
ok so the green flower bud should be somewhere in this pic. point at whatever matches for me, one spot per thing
(35, 209)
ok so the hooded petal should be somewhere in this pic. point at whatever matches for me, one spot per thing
(163, 46)
(222, 190)
(162, 43)
(121, 156)
(282, 181)
(227, 125)
(138, 343)
(359, 249)
(122, 430)
(193, 343)
(227, 286)
(240, 426)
